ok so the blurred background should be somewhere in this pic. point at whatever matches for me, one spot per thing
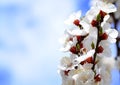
(29, 33)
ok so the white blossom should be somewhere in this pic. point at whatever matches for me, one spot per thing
(67, 42)
(73, 17)
(105, 6)
(85, 77)
(88, 41)
(85, 56)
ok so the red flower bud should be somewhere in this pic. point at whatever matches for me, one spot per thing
(78, 38)
(100, 49)
(73, 50)
(66, 72)
(76, 22)
(102, 14)
(81, 45)
(94, 23)
(97, 78)
(71, 39)
(88, 60)
(104, 36)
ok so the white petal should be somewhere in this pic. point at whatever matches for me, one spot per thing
(83, 57)
(77, 32)
(91, 14)
(106, 18)
(111, 40)
(84, 77)
(65, 61)
(85, 25)
(112, 33)
(111, 8)
(78, 14)
(68, 81)
(67, 47)
(74, 41)
(109, 62)
(73, 17)
(91, 52)
(105, 26)
(106, 7)
(68, 22)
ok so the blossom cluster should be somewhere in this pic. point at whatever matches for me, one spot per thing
(115, 2)
(88, 42)
(115, 19)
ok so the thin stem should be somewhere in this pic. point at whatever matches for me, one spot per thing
(97, 44)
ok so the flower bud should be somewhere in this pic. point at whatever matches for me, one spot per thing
(102, 14)
(76, 22)
(78, 38)
(88, 60)
(104, 36)
(100, 49)
(94, 23)
(66, 72)
(73, 50)
(97, 78)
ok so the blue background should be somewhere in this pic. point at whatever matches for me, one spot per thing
(29, 33)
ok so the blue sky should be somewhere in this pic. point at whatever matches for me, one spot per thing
(29, 33)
